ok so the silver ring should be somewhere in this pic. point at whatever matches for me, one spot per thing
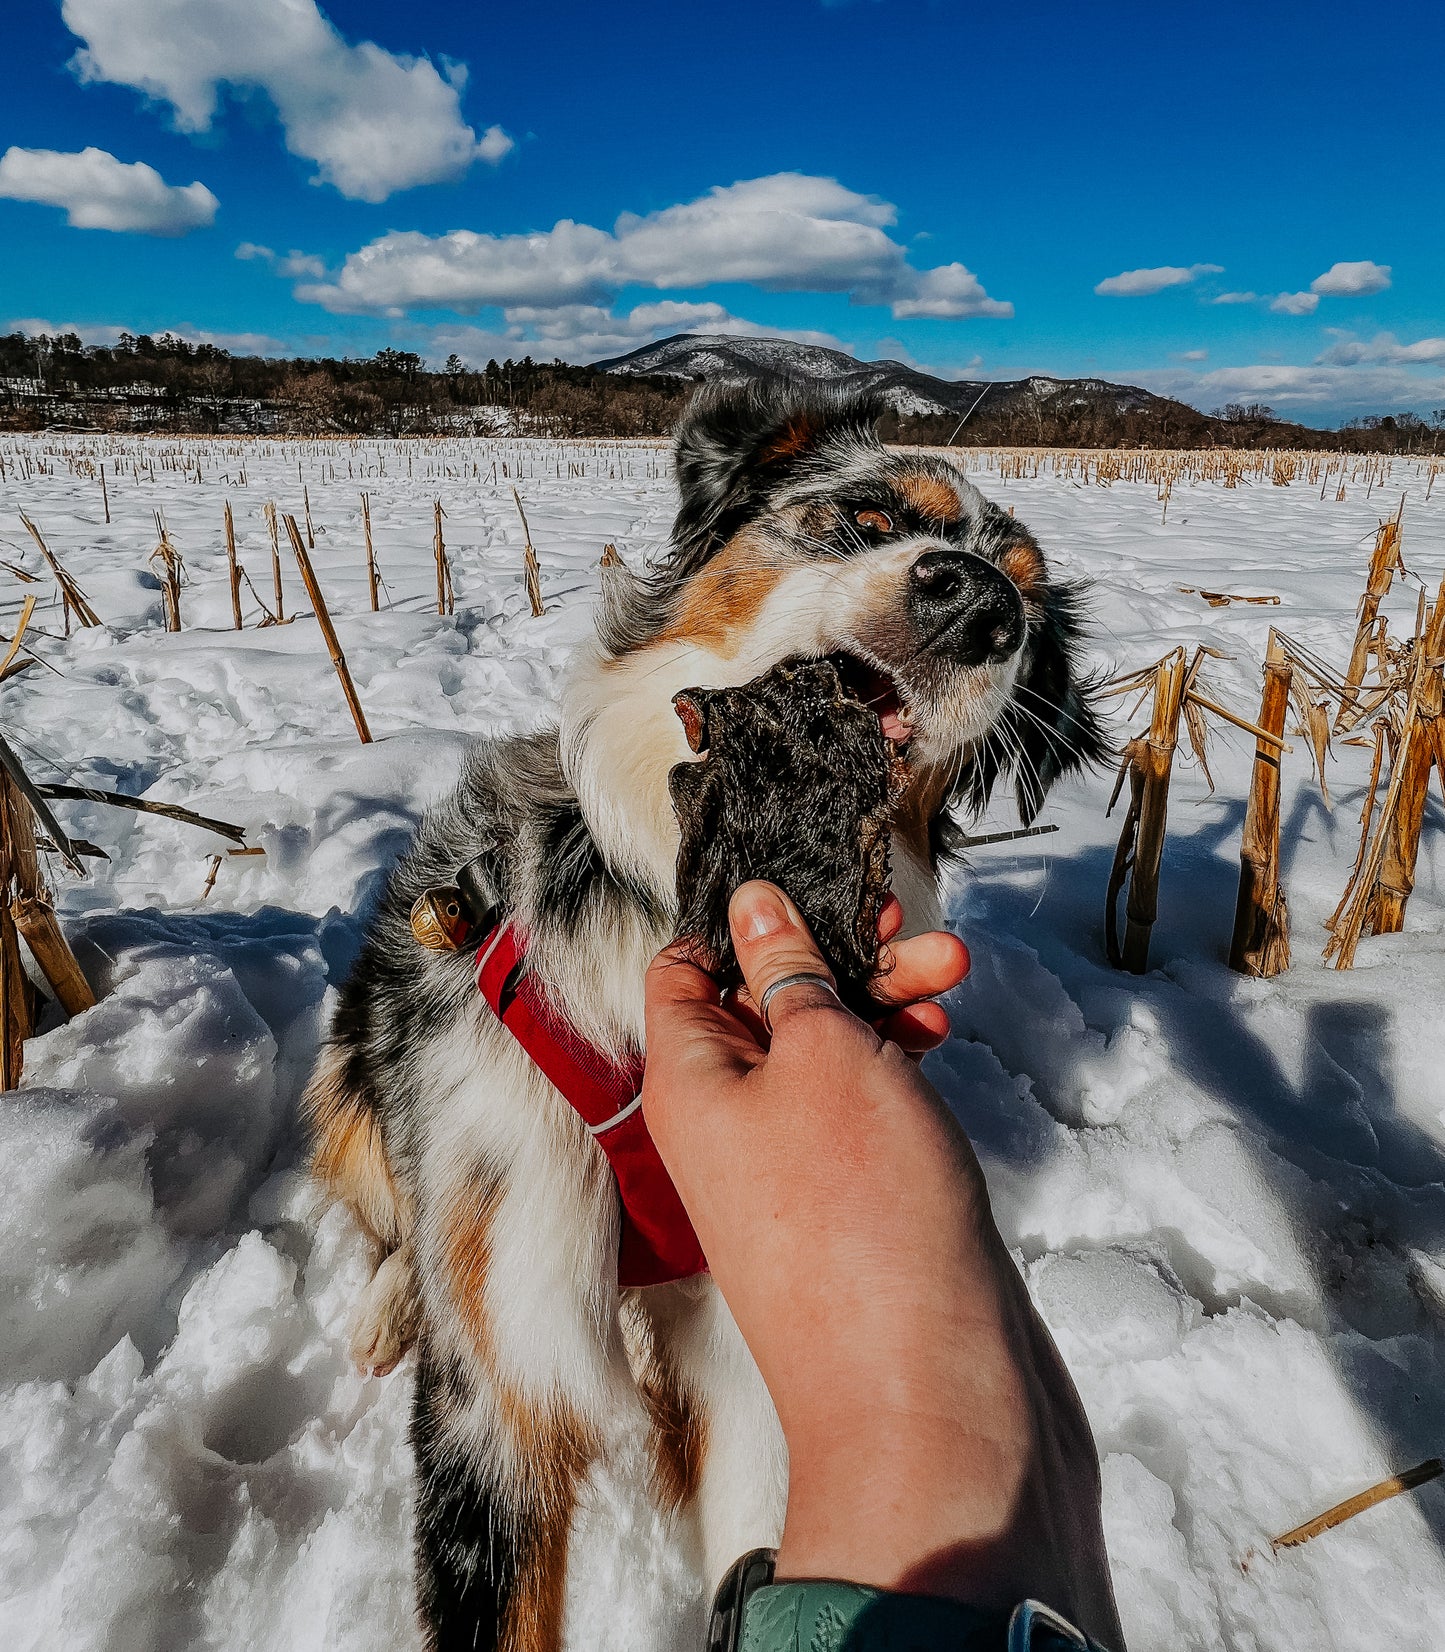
(793, 981)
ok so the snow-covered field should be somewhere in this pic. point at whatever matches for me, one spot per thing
(1229, 1196)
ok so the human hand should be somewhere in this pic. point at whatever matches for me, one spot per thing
(911, 974)
(936, 1442)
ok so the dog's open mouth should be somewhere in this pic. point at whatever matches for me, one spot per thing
(876, 688)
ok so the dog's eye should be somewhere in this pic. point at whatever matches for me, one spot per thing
(878, 521)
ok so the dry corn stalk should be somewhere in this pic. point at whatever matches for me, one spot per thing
(273, 524)
(27, 608)
(1381, 1492)
(71, 596)
(1314, 716)
(371, 575)
(17, 995)
(1384, 873)
(1385, 736)
(40, 930)
(168, 560)
(328, 630)
(1260, 944)
(145, 806)
(1198, 731)
(531, 571)
(446, 597)
(1222, 599)
(1384, 562)
(235, 569)
(1418, 756)
(26, 911)
(1147, 765)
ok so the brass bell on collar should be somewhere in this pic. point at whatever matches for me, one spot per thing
(440, 919)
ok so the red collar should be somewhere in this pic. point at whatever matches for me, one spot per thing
(657, 1243)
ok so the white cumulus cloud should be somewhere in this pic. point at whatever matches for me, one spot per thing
(785, 233)
(1287, 387)
(1384, 347)
(1352, 280)
(950, 291)
(109, 333)
(295, 264)
(494, 144)
(373, 121)
(88, 332)
(1140, 283)
(1295, 303)
(99, 192)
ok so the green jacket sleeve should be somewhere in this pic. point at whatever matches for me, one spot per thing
(846, 1617)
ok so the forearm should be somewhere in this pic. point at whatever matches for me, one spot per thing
(976, 1481)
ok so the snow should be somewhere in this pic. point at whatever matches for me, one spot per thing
(1226, 1194)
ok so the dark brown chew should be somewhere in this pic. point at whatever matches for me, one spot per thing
(797, 784)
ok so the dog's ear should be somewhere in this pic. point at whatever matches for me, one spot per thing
(1056, 728)
(736, 442)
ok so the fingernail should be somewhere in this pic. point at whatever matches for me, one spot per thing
(757, 911)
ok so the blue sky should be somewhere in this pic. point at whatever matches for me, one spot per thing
(1255, 188)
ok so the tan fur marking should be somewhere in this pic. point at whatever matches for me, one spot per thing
(558, 1451)
(467, 1248)
(679, 1436)
(932, 497)
(724, 599)
(534, 1613)
(1025, 567)
(348, 1155)
(917, 808)
(550, 1442)
(794, 438)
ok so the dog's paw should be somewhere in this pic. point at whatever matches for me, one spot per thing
(386, 1320)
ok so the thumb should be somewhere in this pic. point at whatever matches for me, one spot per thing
(773, 942)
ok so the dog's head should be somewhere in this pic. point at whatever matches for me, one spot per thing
(800, 533)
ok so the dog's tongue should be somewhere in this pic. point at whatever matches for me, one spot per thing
(879, 693)
(895, 725)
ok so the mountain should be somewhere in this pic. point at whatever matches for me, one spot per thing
(909, 392)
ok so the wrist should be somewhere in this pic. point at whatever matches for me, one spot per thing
(901, 1516)
(913, 1489)
(754, 1613)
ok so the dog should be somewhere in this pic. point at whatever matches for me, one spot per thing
(493, 1216)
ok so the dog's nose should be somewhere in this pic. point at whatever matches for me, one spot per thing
(966, 605)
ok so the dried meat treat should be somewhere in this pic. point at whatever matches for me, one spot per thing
(796, 784)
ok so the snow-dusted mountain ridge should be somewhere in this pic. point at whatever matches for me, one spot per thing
(714, 356)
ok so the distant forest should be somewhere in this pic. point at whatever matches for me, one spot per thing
(168, 384)
(1034, 422)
